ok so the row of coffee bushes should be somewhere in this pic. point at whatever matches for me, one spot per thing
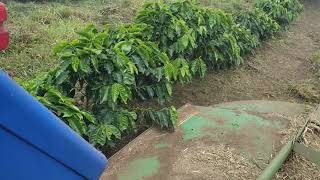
(102, 72)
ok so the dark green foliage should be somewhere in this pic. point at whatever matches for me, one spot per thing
(258, 22)
(64, 107)
(110, 68)
(184, 29)
(165, 118)
(282, 11)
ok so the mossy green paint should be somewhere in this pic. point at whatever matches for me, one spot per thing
(141, 168)
(161, 145)
(264, 107)
(233, 121)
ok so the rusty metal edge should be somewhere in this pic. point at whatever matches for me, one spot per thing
(309, 153)
(285, 151)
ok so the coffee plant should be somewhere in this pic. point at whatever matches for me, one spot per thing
(64, 107)
(108, 69)
(184, 29)
(104, 75)
(282, 11)
(258, 22)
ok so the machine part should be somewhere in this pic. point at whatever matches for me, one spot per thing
(4, 34)
(36, 144)
(282, 156)
(310, 154)
(249, 129)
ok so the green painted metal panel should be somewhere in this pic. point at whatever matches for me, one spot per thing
(140, 168)
(250, 127)
(161, 145)
(310, 154)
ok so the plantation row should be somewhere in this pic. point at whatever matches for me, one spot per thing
(103, 73)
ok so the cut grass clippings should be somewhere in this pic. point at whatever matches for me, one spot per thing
(307, 90)
(296, 166)
(218, 162)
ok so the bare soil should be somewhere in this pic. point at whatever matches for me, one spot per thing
(218, 162)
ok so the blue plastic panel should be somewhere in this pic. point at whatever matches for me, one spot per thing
(32, 122)
(26, 162)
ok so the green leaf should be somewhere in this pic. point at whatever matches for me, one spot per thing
(125, 95)
(123, 122)
(97, 134)
(94, 62)
(60, 47)
(133, 115)
(115, 91)
(67, 114)
(77, 124)
(185, 40)
(132, 67)
(75, 63)
(88, 117)
(126, 48)
(128, 78)
(62, 77)
(169, 71)
(198, 66)
(104, 93)
(169, 88)
(66, 54)
(115, 131)
(84, 66)
(173, 115)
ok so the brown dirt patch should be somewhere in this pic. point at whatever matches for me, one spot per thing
(298, 168)
(215, 162)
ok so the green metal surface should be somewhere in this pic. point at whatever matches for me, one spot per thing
(310, 154)
(263, 107)
(251, 127)
(277, 162)
(281, 156)
(161, 145)
(230, 120)
(140, 168)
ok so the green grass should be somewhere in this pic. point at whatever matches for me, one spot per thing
(308, 90)
(228, 5)
(36, 27)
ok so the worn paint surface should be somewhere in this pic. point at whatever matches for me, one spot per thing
(285, 108)
(141, 168)
(251, 127)
(161, 145)
(224, 119)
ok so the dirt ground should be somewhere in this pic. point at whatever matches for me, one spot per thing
(276, 65)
